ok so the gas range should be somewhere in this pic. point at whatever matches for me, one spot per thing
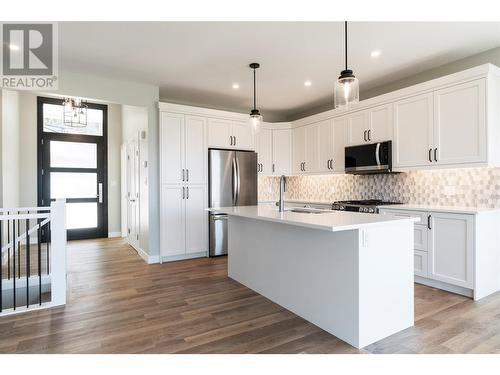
(370, 206)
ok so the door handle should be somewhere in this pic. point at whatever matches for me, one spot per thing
(100, 192)
(234, 140)
(364, 135)
(435, 154)
(182, 174)
(183, 192)
(304, 166)
(273, 167)
(429, 222)
(369, 133)
(187, 174)
(215, 218)
(430, 155)
(230, 140)
(187, 192)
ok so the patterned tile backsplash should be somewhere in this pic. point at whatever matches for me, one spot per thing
(470, 187)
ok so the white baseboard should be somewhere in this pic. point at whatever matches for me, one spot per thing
(149, 259)
(444, 286)
(174, 258)
(114, 234)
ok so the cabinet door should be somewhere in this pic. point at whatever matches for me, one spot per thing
(420, 267)
(381, 123)
(171, 148)
(312, 148)
(282, 151)
(413, 128)
(196, 219)
(298, 149)
(195, 150)
(172, 220)
(451, 248)
(460, 123)
(325, 145)
(219, 133)
(264, 148)
(244, 135)
(339, 143)
(357, 128)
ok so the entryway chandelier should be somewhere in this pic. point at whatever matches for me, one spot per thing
(75, 112)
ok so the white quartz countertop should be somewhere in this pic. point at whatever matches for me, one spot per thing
(333, 221)
(451, 209)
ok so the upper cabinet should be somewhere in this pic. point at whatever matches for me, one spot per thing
(282, 151)
(442, 128)
(230, 134)
(264, 149)
(460, 123)
(371, 125)
(182, 144)
(413, 128)
(357, 128)
(298, 149)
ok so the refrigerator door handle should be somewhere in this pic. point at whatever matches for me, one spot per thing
(235, 182)
(237, 164)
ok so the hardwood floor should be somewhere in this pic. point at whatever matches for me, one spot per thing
(118, 304)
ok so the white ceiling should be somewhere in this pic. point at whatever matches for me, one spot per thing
(197, 63)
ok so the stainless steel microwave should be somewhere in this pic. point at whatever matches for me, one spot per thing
(369, 159)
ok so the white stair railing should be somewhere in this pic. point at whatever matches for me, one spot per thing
(26, 280)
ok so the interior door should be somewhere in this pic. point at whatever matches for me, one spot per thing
(133, 192)
(72, 165)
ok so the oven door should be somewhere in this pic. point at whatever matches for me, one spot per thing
(366, 159)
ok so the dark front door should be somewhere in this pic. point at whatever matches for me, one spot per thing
(72, 164)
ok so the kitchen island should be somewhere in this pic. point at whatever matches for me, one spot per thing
(350, 274)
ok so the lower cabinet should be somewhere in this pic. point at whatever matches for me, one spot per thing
(183, 221)
(443, 246)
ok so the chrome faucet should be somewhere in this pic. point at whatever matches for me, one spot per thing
(281, 202)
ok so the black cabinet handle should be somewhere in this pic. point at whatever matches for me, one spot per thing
(235, 140)
(273, 167)
(430, 155)
(435, 154)
(429, 222)
(369, 134)
(364, 135)
(304, 166)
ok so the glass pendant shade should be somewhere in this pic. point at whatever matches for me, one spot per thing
(255, 119)
(346, 90)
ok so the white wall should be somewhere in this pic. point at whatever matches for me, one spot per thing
(9, 128)
(114, 169)
(135, 120)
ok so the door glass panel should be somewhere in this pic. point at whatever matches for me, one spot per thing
(53, 121)
(73, 155)
(81, 215)
(73, 185)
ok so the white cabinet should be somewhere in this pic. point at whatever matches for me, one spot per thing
(298, 149)
(264, 149)
(230, 134)
(413, 131)
(420, 263)
(460, 123)
(444, 127)
(196, 219)
(311, 163)
(182, 149)
(357, 128)
(380, 124)
(172, 220)
(339, 143)
(243, 135)
(451, 245)
(326, 145)
(282, 151)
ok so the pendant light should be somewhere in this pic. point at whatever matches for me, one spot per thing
(255, 116)
(347, 85)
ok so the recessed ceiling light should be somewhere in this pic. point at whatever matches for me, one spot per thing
(14, 47)
(236, 86)
(307, 83)
(376, 53)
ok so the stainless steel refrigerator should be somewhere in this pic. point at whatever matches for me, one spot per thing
(232, 181)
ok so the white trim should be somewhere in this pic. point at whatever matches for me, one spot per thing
(444, 286)
(149, 259)
(115, 234)
(24, 309)
(200, 111)
(174, 258)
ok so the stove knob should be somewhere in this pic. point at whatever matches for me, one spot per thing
(371, 210)
(342, 208)
(361, 209)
